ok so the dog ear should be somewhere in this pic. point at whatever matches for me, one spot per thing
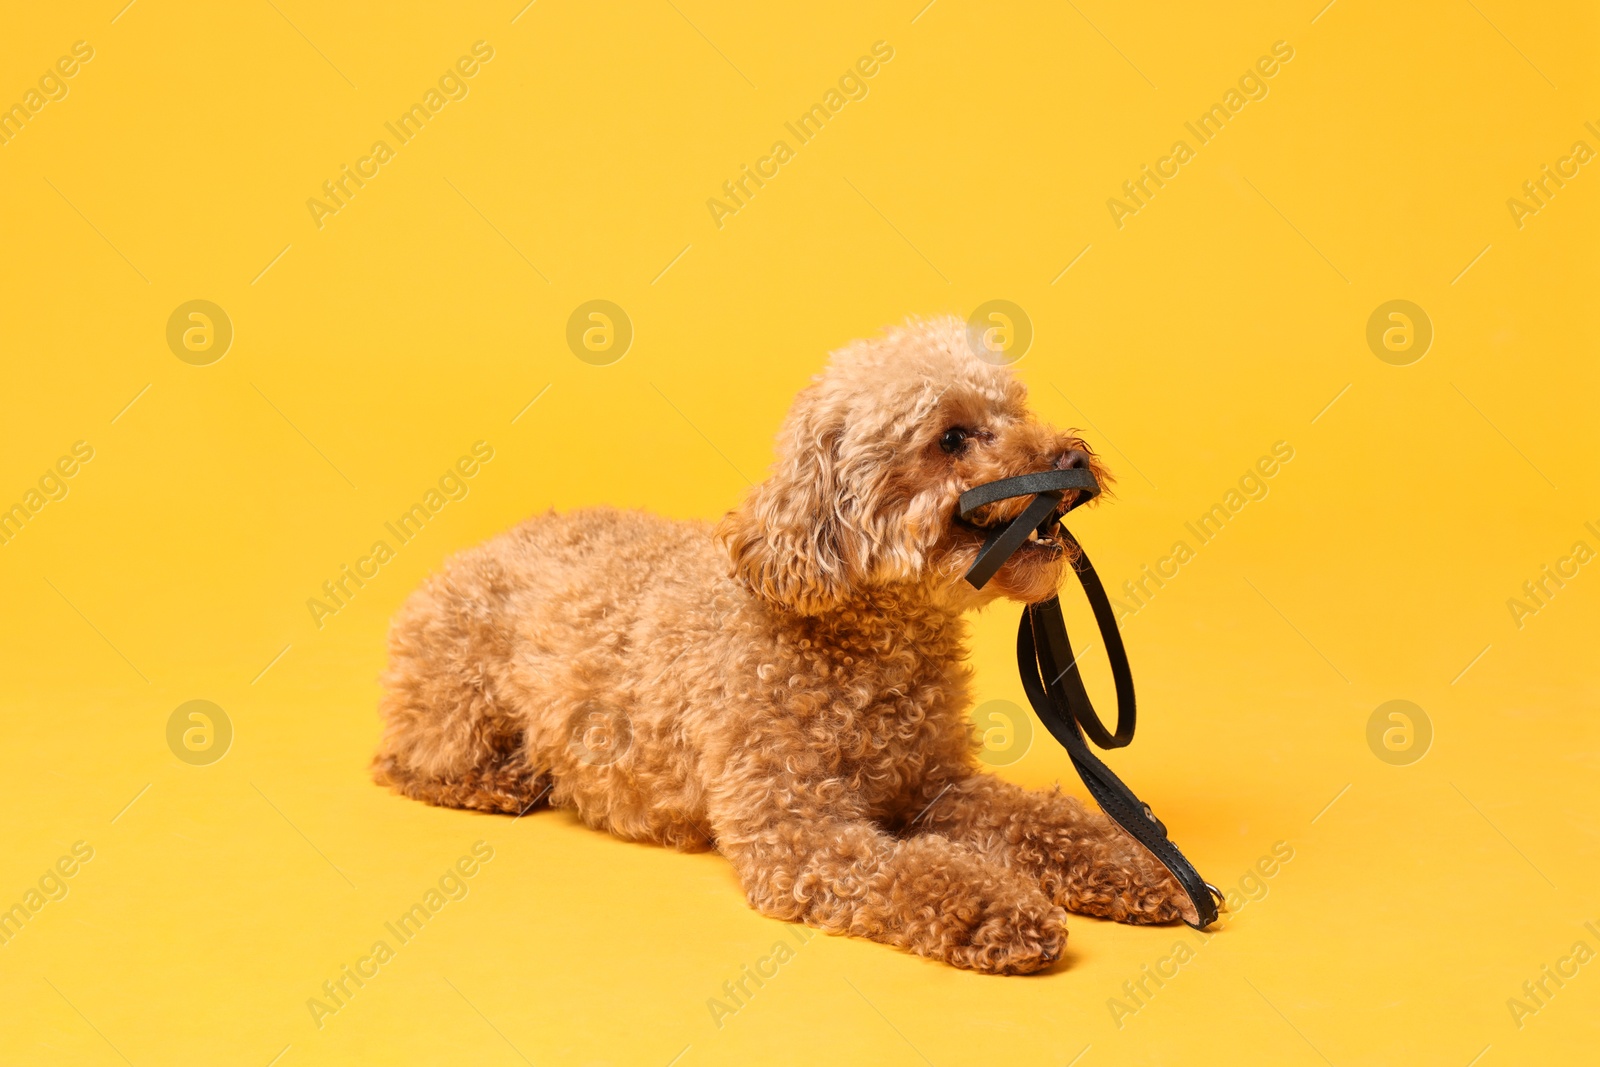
(790, 540)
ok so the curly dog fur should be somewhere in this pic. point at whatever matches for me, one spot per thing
(789, 686)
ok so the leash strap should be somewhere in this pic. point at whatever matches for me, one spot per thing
(1050, 674)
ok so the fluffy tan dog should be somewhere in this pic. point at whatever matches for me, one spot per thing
(789, 687)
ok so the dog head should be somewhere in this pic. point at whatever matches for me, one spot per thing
(872, 459)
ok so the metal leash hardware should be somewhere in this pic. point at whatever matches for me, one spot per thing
(1050, 674)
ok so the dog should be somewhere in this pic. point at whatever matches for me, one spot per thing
(790, 685)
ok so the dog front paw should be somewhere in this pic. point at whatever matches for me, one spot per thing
(1011, 936)
(1131, 886)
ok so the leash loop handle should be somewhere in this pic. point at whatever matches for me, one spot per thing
(1025, 484)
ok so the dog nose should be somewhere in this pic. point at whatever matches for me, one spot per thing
(1077, 459)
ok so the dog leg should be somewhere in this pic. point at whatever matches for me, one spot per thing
(926, 894)
(1084, 861)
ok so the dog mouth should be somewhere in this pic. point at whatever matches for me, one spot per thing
(1044, 541)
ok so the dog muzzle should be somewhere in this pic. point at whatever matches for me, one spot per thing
(1050, 671)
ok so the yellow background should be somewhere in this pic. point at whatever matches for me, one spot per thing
(425, 315)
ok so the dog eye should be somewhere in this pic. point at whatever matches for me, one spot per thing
(954, 440)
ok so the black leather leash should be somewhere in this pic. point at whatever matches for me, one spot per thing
(1050, 673)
